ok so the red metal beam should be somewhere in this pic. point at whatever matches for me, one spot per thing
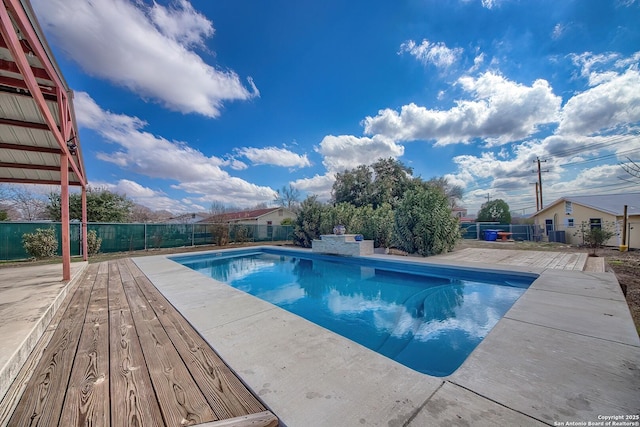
(30, 166)
(20, 123)
(64, 205)
(11, 67)
(48, 92)
(40, 181)
(19, 147)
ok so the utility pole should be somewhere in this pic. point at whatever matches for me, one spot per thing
(488, 197)
(539, 186)
(537, 197)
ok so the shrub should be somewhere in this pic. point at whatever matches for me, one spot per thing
(309, 222)
(93, 242)
(595, 237)
(424, 224)
(40, 244)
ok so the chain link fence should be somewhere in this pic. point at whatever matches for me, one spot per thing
(137, 237)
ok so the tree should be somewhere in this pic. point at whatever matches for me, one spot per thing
(631, 167)
(140, 213)
(102, 206)
(495, 211)
(423, 222)
(391, 180)
(31, 206)
(385, 181)
(354, 186)
(288, 197)
(453, 192)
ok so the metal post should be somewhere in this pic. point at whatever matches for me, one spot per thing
(624, 226)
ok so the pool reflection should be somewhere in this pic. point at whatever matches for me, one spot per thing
(428, 324)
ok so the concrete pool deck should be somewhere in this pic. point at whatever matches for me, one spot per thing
(567, 351)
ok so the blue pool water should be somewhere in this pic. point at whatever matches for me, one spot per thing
(427, 318)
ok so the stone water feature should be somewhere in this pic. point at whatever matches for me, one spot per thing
(342, 244)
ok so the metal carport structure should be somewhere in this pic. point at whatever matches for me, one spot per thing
(39, 142)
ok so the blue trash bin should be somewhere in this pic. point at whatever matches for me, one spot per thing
(491, 235)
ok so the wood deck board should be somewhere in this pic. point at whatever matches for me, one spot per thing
(42, 400)
(118, 354)
(222, 389)
(537, 259)
(87, 401)
(181, 401)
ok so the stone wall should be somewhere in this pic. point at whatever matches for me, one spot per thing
(343, 244)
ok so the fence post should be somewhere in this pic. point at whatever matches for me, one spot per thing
(145, 236)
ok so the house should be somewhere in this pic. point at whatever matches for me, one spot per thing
(261, 220)
(267, 216)
(461, 214)
(186, 219)
(562, 220)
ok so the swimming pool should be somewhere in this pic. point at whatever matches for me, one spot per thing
(429, 318)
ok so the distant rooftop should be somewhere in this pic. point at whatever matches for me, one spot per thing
(609, 203)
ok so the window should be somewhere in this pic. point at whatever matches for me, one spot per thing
(595, 223)
(569, 222)
(280, 212)
(568, 208)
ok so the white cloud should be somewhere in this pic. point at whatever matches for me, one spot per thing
(145, 49)
(319, 185)
(154, 200)
(610, 104)
(490, 4)
(348, 151)
(427, 53)
(147, 154)
(274, 156)
(183, 25)
(500, 111)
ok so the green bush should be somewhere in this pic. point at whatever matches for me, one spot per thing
(424, 224)
(309, 222)
(595, 237)
(40, 244)
(93, 242)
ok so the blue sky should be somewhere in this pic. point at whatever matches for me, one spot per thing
(181, 104)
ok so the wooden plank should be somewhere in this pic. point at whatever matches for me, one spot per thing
(261, 419)
(226, 394)
(87, 400)
(133, 400)
(16, 390)
(41, 403)
(117, 298)
(181, 401)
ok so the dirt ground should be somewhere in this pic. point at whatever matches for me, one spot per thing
(625, 265)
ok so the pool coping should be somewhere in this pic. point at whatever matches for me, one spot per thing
(566, 351)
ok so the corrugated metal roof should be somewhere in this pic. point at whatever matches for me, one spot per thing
(30, 152)
(609, 203)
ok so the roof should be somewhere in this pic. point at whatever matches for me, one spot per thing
(609, 203)
(241, 215)
(37, 120)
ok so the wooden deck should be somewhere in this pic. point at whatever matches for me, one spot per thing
(538, 259)
(118, 354)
